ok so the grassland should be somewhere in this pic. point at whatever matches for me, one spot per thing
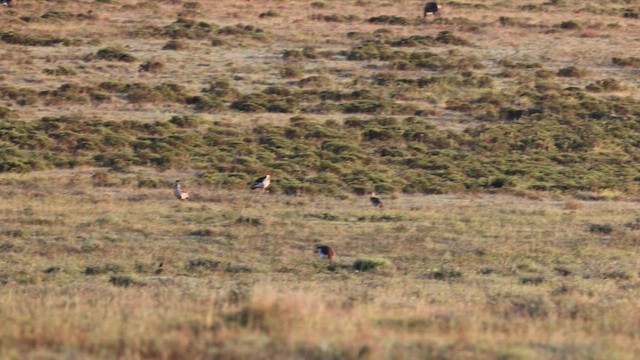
(482, 276)
(503, 137)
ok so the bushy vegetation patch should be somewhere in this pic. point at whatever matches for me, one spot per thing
(114, 54)
(244, 31)
(14, 38)
(443, 273)
(189, 29)
(569, 25)
(334, 18)
(402, 60)
(390, 20)
(21, 96)
(141, 93)
(61, 15)
(605, 85)
(443, 37)
(548, 147)
(631, 61)
(269, 13)
(572, 71)
(371, 263)
(151, 66)
(60, 71)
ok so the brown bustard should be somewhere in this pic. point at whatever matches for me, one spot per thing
(326, 252)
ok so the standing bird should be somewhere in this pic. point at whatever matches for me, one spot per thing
(375, 200)
(431, 8)
(159, 269)
(326, 252)
(180, 194)
(262, 183)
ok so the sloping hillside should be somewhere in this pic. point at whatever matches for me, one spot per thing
(330, 96)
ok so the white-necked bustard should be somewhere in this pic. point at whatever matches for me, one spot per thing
(326, 252)
(262, 183)
(375, 200)
(180, 194)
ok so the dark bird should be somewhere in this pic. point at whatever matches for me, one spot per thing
(326, 252)
(375, 200)
(180, 194)
(431, 8)
(9, 3)
(262, 183)
(159, 269)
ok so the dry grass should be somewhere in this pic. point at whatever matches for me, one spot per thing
(471, 276)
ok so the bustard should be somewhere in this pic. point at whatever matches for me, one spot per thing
(262, 183)
(375, 200)
(431, 8)
(326, 252)
(159, 269)
(180, 194)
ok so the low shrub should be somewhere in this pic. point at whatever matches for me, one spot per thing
(124, 281)
(371, 263)
(628, 61)
(443, 273)
(572, 71)
(151, 66)
(200, 264)
(244, 31)
(58, 15)
(189, 29)
(175, 45)
(569, 25)
(206, 103)
(390, 20)
(269, 13)
(104, 269)
(6, 113)
(216, 41)
(114, 54)
(604, 229)
(14, 38)
(334, 18)
(60, 71)
(291, 72)
(605, 85)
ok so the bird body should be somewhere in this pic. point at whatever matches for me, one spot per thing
(431, 8)
(262, 183)
(375, 200)
(180, 194)
(326, 252)
(159, 269)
